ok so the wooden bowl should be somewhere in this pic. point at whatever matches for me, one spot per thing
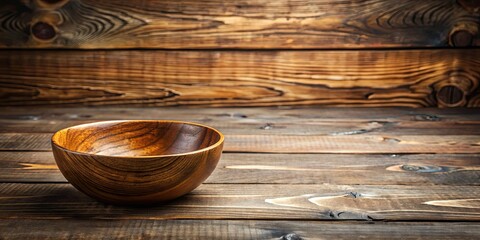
(137, 162)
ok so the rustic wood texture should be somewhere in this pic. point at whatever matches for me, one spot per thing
(300, 114)
(409, 78)
(250, 24)
(354, 144)
(380, 143)
(234, 125)
(394, 168)
(254, 130)
(222, 229)
(383, 192)
(263, 121)
(137, 162)
(255, 201)
(234, 168)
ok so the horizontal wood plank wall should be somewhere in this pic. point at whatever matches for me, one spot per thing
(170, 53)
(410, 78)
(260, 24)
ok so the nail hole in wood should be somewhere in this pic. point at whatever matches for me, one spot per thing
(43, 31)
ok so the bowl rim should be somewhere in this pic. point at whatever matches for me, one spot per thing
(219, 142)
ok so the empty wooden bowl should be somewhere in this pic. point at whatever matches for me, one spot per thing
(137, 162)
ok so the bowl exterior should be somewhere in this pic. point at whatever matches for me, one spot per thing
(136, 180)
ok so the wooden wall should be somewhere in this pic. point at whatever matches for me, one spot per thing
(240, 53)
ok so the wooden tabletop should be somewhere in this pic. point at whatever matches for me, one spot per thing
(286, 173)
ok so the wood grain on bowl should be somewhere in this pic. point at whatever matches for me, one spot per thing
(137, 162)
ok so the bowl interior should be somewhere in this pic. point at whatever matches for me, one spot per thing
(136, 138)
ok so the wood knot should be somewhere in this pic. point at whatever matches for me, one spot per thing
(450, 95)
(347, 215)
(454, 91)
(391, 140)
(267, 126)
(43, 31)
(424, 169)
(461, 38)
(238, 115)
(354, 195)
(463, 34)
(426, 117)
(291, 236)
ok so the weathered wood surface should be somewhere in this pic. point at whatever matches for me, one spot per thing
(264, 121)
(234, 229)
(374, 169)
(245, 115)
(275, 130)
(255, 201)
(237, 24)
(261, 195)
(233, 125)
(408, 78)
(380, 143)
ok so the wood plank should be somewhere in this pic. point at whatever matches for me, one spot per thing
(383, 143)
(277, 127)
(408, 78)
(269, 122)
(353, 144)
(262, 121)
(294, 121)
(232, 229)
(257, 24)
(254, 201)
(286, 114)
(392, 169)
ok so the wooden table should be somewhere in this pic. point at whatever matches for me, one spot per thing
(285, 174)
